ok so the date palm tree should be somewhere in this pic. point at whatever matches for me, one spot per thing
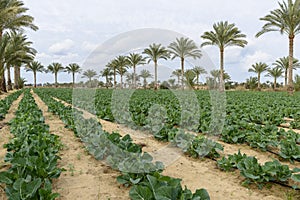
(216, 75)
(73, 68)
(184, 48)
(134, 60)
(89, 74)
(276, 72)
(258, 68)
(177, 73)
(198, 71)
(283, 63)
(224, 35)
(107, 72)
(155, 52)
(34, 67)
(122, 65)
(286, 20)
(13, 17)
(55, 68)
(112, 65)
(145, 74)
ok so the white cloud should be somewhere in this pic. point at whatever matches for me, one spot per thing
(62, 47)
(87, 46)
(258, 56)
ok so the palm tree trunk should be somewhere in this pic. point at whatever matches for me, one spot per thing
(155, 75)
(115, 81)
(182, 73)
(106, 79)
(121, 80)
(221, 69)
(197, 79)
(290, 87)
(2, 77)
(3, 84)
(73, 79)
(9, 86)
(16, 79)
(134, 77)
(145, 83)
(275, 83)
(258, 82)
(285, 77)
(55, 77)
(34, 78)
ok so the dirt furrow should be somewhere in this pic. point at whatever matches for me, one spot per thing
(85, 177)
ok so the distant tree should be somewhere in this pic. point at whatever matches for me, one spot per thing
(122, 65)
(73, 68)
(89, 74)
(155, 52)
(224, 35)
(251, 83)
(134, 60)
(177, 73)
(55, 68)
(190, 76)
(145, 74)
(276, 72)
(198, 71)
(283, 63)
(34, 67)
(184, 48)
(112, 65)
(107, 72)
(258, 68)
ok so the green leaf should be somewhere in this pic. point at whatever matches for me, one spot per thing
(296, 177)
(139, 192)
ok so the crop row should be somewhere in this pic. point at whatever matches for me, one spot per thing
(5, 103)
(32, 154)
(137, 167)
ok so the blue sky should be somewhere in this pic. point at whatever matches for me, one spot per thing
(70, 30)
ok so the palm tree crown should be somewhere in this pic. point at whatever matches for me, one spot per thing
(286, 20)
(145, 74)
(134, 60)
(73, 68)
(89, 74)
(223, 35)
(155, 52)
(199, 70)
(183, 48)
(122, 65)
(276, 72)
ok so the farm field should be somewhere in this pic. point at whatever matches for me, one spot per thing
(101, 149)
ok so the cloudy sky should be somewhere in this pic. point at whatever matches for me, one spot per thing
(72, 30)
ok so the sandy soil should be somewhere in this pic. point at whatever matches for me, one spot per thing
(85, 178)
(5, 137)
(3, 95)
(197, 173)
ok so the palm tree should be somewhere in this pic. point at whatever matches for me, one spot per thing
(112, 65)
(283, 63)
(55, 68)
(122, 64)
(177, 73)
(90, 73)
(216, 75)
(35, 67)
(224, 35)
(134, 60)
(183, 48)
(199, 70)
(73, 68)
(106, 73)
(155, 52)
(190, 76)
(12, 14)
(286, 20)
(258, 68)
(276, 72)
(145, 74)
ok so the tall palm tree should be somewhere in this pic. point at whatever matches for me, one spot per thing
(107, 72)
(130, 77)
(34, 67)
(18, 52)
(286, 20)
(276, 72)
(223, 35)
(283, 63)
(112, 65)
(258, 68)
(145, 74)
(55, 68)
(122, 65)
(177, 73)
(155, 52)
(13, 17)
(183, 48)
(134, 60)
(73, 68)
(199, 70)
(190, 76)
(89, 74)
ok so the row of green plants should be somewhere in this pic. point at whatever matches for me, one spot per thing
(251, 117)
(137, 167)
(31, 154)
(5, 103)
(260, 174)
